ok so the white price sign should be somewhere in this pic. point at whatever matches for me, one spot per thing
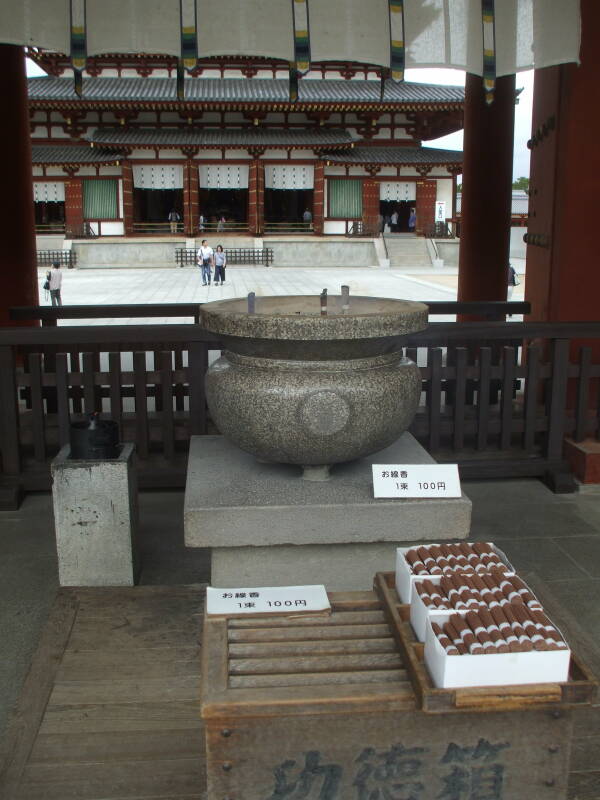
(416, 480)
(266, 600)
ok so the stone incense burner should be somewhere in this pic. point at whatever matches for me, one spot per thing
(312, 380)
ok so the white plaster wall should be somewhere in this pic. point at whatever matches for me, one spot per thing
(112, 229)
(86, 172)
(38, 171)
(205, 155)
(336, 226)
(273, 153)
(142, 153)
(58, 133)
(335, 171)
(170, 154)
(58, 171)
(444, 193)
(358, 171)
(302, 154)
(518, 248)
(39, 133)
(110, 170)
(387, 171)
(237, 155)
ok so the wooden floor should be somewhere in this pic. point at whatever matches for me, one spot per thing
(110, 708)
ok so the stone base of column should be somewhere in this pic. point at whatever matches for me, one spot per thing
(584, 459)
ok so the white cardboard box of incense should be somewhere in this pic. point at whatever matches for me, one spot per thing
(420, 613)
(495, 669)
(405, 578)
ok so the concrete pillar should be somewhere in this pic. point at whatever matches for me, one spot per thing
(318, 210)
(370, 205)
(127, 177)
(18, 252)
(74, 206)
(426, 192)
(487, 192)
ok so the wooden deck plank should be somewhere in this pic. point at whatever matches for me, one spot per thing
(152, 663)
(92, 748)
(135, 690)
(312, 633)
(31, 705)
(130, 779)
(118, 717)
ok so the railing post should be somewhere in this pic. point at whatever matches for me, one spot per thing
(9, 423)
(558, 396)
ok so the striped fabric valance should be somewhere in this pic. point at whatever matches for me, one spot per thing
(100, 199)
(345, 198)
(392, 34)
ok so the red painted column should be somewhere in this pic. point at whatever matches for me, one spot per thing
(252, 210)
(563, 281)
(18, 251)
(260, 197)
(370, 205)
(74, 206)
(487, 193)
(426, 192)
(318, 210)
(127, 177)
(194, 197)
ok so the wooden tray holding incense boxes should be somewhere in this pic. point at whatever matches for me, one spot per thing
(342, 707)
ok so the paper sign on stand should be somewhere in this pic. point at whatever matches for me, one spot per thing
(416, 480)
(267, 600)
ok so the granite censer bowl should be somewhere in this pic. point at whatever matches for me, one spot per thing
(312, 380)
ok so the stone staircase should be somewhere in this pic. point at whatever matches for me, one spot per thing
(407, 251)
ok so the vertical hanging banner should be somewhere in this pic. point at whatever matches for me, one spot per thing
(189, 44)
(397, 48)
(489, 49)
(301, 63)
(78, 43)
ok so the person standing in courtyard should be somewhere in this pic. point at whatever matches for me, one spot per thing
(55, 281)
(394, 221)
(412, 221)
(173, 219)
(220, 264)
(205, 261)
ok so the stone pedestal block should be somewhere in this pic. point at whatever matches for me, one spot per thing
(584, 459)
(268, 527)
(96, 519)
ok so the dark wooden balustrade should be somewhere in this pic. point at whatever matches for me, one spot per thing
(498, 397)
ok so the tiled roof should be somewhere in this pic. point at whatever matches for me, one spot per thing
(199, 137)
(395, 155)
(65, 154)
(242, 90)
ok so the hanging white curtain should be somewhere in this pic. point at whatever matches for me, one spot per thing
(223, 176)
(438, 33)
(292, 176)
(48, 192)
(158, 176)
(397, 190)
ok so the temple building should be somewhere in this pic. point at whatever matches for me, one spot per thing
(233, 151)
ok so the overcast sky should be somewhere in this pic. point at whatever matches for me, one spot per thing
(455, 140)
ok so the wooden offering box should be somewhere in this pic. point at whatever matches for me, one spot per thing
(342, 708)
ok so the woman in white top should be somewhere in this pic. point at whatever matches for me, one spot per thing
(55, 281)
(205, 260)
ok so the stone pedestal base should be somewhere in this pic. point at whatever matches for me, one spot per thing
(268, 527)
(584, 459)
(96, 518)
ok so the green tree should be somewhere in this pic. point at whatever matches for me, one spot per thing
(521, 183)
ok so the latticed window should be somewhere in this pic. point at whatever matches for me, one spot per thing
(100, 199)
(345, 198)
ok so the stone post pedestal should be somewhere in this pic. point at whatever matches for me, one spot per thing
(96, 519)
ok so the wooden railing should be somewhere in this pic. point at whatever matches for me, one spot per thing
(288, 227)
(162, 228)
(223, 227)
(498, 398)
(66, 258)
(42, 228)
(234, 255)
